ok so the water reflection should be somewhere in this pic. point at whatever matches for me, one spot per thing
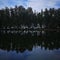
(26, 40)
(23, 32)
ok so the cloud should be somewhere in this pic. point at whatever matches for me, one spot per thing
(12, 3)
(42, 4)
(35, 4)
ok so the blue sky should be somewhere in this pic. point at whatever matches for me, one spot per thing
(35, 4)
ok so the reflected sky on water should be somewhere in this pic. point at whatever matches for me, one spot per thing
(35, 54)
(43, 46)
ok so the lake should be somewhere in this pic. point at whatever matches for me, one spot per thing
(29, 45)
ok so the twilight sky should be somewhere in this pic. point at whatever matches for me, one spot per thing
(35, 4)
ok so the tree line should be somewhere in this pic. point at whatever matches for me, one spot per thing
(17, 16)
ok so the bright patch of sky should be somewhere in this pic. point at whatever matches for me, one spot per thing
(35, 4)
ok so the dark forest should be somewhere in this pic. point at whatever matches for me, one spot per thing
(19, 16)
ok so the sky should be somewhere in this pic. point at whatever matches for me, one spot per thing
(35, 4)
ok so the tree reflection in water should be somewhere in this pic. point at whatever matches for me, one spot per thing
(25, 40)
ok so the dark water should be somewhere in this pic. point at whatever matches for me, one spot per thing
(29, 45)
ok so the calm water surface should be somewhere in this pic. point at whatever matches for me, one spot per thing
(30, 45)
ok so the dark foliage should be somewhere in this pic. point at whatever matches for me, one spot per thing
(20, 16)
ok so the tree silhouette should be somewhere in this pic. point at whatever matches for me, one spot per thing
(15, 17)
